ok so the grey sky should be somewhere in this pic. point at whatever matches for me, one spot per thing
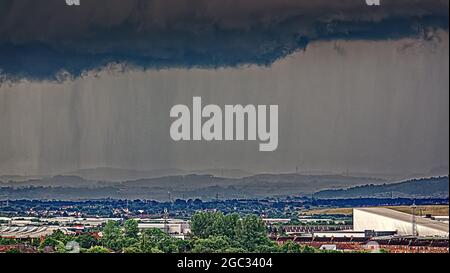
(39, 39)
(372, 107)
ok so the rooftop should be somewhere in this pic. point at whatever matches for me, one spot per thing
(405, 217)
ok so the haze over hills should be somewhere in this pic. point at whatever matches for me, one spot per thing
(185, 179)
(111, 174)
(210, 187)
(418, 188)
(69, 181)
(120, 174)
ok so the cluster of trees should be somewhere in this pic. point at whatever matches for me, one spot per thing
(216, 232)
(177, 208)
(212, 232)
(7, 241)
(63, 243)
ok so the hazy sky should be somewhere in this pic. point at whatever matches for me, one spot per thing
(376, 107)
(364, 90)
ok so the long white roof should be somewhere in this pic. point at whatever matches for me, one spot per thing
(405, 217)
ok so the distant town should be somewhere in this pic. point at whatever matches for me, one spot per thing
(269, 225)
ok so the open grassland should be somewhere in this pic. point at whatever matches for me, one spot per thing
(435, 210)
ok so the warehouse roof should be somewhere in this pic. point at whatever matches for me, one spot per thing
(405, 217)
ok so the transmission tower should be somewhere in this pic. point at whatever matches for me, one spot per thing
(166, 222)
(414, 221)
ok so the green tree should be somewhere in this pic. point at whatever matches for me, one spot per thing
(129, 242)
(204, 223)
(131, 249)
(309, 249)
(251, 233)
(98, 249)
(234, 250)
(49, 242)
(155, 240)
(230, 223)
(207, 224)
(86, 240)
(8, 241)
(13, 251)
(168, 245)
(55, 244)
(112, 236)
(59, 235)
(183, 246)
(213, 244)
(131, 229)
(60, 247)
(291, 247)
(150, 240)
(270, 247)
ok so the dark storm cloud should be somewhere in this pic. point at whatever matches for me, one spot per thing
(39, 39)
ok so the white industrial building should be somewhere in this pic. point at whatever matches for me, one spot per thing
(19, 232)
(31, 227)
(174, 227)
(383, 219)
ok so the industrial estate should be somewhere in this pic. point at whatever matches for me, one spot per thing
(49, 226)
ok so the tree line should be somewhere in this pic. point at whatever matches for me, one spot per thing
(211, 232)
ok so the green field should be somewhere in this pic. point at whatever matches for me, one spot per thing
(435, 210)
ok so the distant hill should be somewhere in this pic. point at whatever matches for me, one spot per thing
(207, 186)
(420, 188)
(203, 186)
(118, 174)
(69, 181)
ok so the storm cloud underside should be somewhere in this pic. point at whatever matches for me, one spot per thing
(359, 89)
(49, 41)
